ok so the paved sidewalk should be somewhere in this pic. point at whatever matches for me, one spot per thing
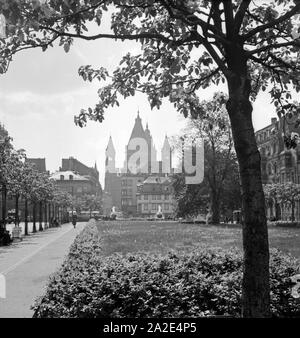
(27, 266)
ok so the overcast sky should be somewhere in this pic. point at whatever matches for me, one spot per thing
(41, 93)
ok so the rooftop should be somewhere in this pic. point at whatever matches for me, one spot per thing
(57, 176)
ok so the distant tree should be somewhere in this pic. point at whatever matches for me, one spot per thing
(284, 194)
(6, 150)
(186, 45)
(27, 176)
(221, 168)
(272, 198)
(15, 178)
(288, 193)
(62, 200)
(190, 200)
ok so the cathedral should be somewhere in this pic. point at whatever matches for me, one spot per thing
(143, 186)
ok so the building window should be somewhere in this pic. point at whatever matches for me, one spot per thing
(166, 206)
(154, 197)
(166, 197)
(129, 182)
(62, 177)
(145, 207)
(70, 177)
(153, 206)
(124, 192)
(145, 197)
(79, 190)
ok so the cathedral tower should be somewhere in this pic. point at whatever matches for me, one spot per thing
(138, 135)
(166, 157)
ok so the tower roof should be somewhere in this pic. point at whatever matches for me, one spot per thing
(110, 146)
(138, 130)
(166, 143)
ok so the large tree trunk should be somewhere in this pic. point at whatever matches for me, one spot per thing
(255, 286)
(46, 214)
(17, 211)
(277, 211)
(4, 200)
(41, 216)
(26, 217)
(34, 217)
(49, 216)
(215, 207)
(293, 211)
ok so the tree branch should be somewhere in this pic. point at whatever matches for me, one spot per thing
(154, 36)
(273, 46)
(272, 23)
(240, 14)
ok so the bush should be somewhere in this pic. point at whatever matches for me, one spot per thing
(287, 224)
(201, 283)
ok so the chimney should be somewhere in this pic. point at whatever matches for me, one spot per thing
(273, 120)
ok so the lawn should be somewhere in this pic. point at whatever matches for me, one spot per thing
(162, 237)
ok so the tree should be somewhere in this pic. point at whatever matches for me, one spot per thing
(271, 192)
(6, 149)
(286, 194)
(221, 179)
(214, 128)
(61, 200)
(190, 199)
(15, 179)
(186, 45)
(27, 176)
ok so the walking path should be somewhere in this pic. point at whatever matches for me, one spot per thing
(27, 266)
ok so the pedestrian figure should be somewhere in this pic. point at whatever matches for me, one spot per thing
(74, 220)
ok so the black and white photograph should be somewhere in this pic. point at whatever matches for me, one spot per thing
(149, 163)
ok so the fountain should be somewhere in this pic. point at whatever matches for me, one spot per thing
(159, 213)
(113, 214)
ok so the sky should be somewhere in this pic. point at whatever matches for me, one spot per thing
(42, 91)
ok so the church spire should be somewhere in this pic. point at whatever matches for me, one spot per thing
(166, 156)
(110, 164)
(138, 130)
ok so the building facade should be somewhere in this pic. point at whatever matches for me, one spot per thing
(153, 194)
(78, 180)
(279, 164)
(125, 187)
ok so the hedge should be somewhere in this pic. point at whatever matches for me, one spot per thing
(199, 283)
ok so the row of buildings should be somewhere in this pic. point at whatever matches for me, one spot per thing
(74, 177)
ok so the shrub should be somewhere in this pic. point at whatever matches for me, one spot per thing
(200, 283)
(287, 224)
